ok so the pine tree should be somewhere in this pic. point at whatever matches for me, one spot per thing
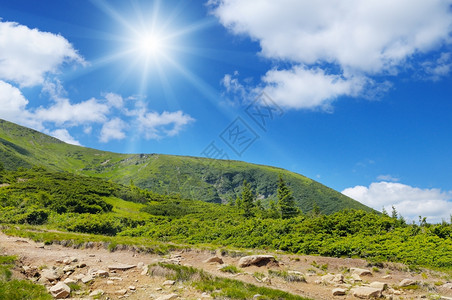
(247, 200)
(285, 200)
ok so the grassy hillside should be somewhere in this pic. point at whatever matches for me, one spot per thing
(67, 202)
(193, 178)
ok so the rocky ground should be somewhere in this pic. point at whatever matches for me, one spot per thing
(97, 273)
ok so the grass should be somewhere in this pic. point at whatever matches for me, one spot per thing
(219, 288)
(13, 289)
(230, 269)
(81, 240)
(287, 276)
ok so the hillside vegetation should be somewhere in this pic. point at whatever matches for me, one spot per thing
(216, 181)
(68, 202)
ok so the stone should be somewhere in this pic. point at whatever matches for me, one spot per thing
(407, 282)
(169, 282)
(68, 269)
(361, 272)
(257, 296)
(96, 293)
(121, 267)
(30, 271)
(168, 297)
(110, 282)
(366, 292)
(447, 285)
(60, 290)
(50, 275)
(214, 259)
(140, 265)
(339, 292)
(145, 270)
(69, 281)
(266, 280)
(257, 260)
(379, 285)
(132, 287)
(387, 277)
(331, 278)
(356, 277)
(102, 273)
(116, 278)
(121, 292)
(86, 279)
(79, 276)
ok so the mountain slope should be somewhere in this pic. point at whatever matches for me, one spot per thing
(194, 178)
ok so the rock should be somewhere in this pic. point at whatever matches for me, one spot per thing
(69, 281)
(257, 260)
(87, 279)
(366, 292)
(257, 296)
(214, 259)
(266, 280)
(95, 293)
(379, 285)
(407, 282)
(50, 275)
(168, 297)
(121, 292)
(79, 276)
(339, 292)
(81, 265)
(30, 271)
(116, 278)
(447, 285)
(145, 270)
(121, 267)
(110, 282)
(60, 290)
(356, 277)
(101, 273)
(360, 272)
(387, 277)
(68, 269)
(132, 287)
(169, 282)
(140, 265)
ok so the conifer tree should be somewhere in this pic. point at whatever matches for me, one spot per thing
(286, 201)
(247, 199)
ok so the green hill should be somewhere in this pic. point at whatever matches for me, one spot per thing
(203, 179)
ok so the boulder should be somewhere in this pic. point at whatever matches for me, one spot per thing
(168, 297)
(339, 292)
(360, 272)
(356, 277)
(101, 273)
(169, 282)
(407, 282)
(121, 267)
(379, 285)
(214, 259)
(86, 279)
(50, 275)
(60, 290)
(69, 281)
(96, 293)
(366, 292)
(257, 260)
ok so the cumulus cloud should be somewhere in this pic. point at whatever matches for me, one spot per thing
(65, 136)
(387, 177)
(337, 44)
(156, 125)
(27, 55)
(113, 130)
(410, 202)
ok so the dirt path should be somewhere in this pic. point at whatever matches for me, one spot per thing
(134, 283)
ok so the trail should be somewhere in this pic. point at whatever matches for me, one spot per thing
(134, 283)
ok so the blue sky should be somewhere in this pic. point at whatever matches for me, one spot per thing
(354, 94)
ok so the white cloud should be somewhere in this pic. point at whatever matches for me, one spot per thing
(155, 125)
(355, 39)
(409, 201)
(64, 135)
(439, 68)
(113, 130)
(13, 106)
(387, 178)
(65, 113)
(114, 100)
(27, 55)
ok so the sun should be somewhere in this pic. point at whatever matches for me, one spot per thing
(151, 45)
